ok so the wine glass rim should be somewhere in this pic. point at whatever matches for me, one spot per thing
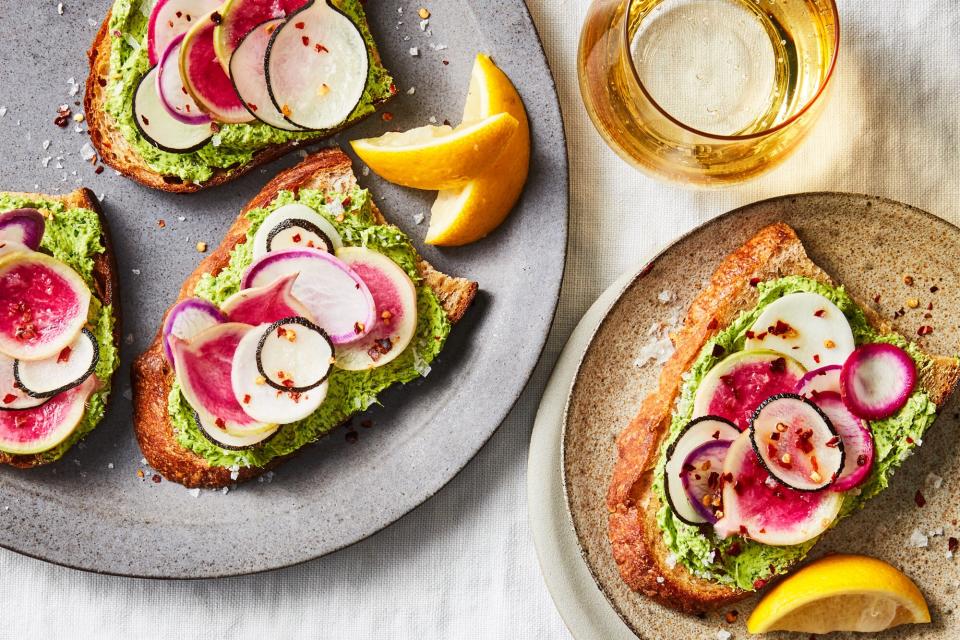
(749, 136)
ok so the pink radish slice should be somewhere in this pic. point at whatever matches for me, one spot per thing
(267, 304)
(336, 296)
(695, 434)
(240, 17)
(796, 442)
(701, 476)
(250, 79)
(877, 380)
(205, 79)
(12, 397)
(757, 506)
(172, 18)
(824, 379)
(41, 428)
(187, 319)
(857, 441)
(24, 226)
(44, 305)
(175, 97)
(395, 297)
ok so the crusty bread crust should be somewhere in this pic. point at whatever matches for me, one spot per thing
(115, 151)
(106, 287)
(635, 535)
(153, 377)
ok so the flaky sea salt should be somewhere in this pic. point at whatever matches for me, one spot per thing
(414, 51)
(918, 540)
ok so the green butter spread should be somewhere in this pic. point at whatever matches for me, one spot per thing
(234, 144)
(73, 237)
(350, 391)
(894, 440)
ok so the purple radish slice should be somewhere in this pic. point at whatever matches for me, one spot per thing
(187, 319)
(264, 305)
(797, 443)
(739, 383)
(295, 226)
(56, 374)
(294, 355)
(338, 299)
(857, 441)
(877, 380)
(203, 369)
(204, 78)
(45, 305)
(758, 507)
(41, 428)
(316, 67)
(12, 397)
(264, 402)
(822, 380)
(395, 297)
(696, 433)
(158, 127)
(172, 18)
(701, 476)
(241, 17)
(174, 96)
(23, 226)
(225, 440)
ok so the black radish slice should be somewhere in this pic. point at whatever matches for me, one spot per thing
(702, 477)
(295, 226)
(225, 440)
(56, 374)
(294, 355)
(41, 428)
(172, 18)
(187, 319)
(22, 226)
(858, 449)
(877, 380)
(158, 127)
(695, 434)
(204, 78)
(12, 397)
(250, 79)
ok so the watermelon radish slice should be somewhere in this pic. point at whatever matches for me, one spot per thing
(250, 78)
(226, 440)
(56, 374)
(316, 66)
(295, 226)
(44, 305)
(172, 18)
(241, 17)
(757, 506)
(822, 380)
(264, 305)
(395, 297)
(203, 368)
(857, 441)
(336, 296)
(12, 397)
(42, 428)
(294, 355)
(174, 96)
(797, 443)
(702, 474)
(736, 385)
(23, 226)
(204, 78)
(158, 127)
(262, 401)
(698, 432)
(186, 320)
(877, 380)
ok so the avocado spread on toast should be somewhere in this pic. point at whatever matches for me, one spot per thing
(705, 555)
(233, 144)
(350, 391)
(73, 237)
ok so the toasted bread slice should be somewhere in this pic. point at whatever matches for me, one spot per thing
(106, 286)
(116, 151)
(635, 536)
(153, 376)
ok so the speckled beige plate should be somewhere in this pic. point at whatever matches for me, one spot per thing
(866, 243)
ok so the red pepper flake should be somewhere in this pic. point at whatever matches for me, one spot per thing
(98, 170)
(781, 329)
(759, 583)
(296, 238)
(64, 355)
(952, 544)
(716, 435)
(305, 40)
(751, 335)
(743, 530)
(930, 307)
(299, 25)
(762, 336)
(731, 616)
(909, 440)
(162, 223)
(252, 106)
(156, 478)
(754, 282)
(779, 365)
(713, 324)
(820, 313)
(734, 549)
(288, 383)
(876, 298)
(321, 49)
(446, 62)
(925, 330)
(833, 442)
(102, 82)
(246, 398)
(358, 327)
(347, 201)
(919, 499)
(215, 17)
(281, 332)
(220, 423)
(816, 358)
(179, 14)
(7, 399)
(387, 116)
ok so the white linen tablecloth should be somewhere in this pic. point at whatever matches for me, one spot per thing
(463, 565)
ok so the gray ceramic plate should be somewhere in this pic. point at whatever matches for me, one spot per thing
(90, 510)
(866, 243)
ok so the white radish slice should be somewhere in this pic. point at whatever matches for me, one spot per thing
(264, 305)
(42, 428)
(187, 319)
(250, 79)
(294, 355)
(156, 124)
(822, 380)
(9, 246)
(797, 443)
(806, 326)
(295, 226)
(12, 397)
(695, 434)
(22, 226)
(316, 66)
(702, 477)
(208, 84)
(173, 93)
(857, 441)
(877, 380)
(265, 402)
(338, 299)
(758, 507)
(226, 440)
(56, 374)
(172, 18)
(395, 297)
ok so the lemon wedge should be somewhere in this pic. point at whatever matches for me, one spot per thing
(437, 157)
(841, 593)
